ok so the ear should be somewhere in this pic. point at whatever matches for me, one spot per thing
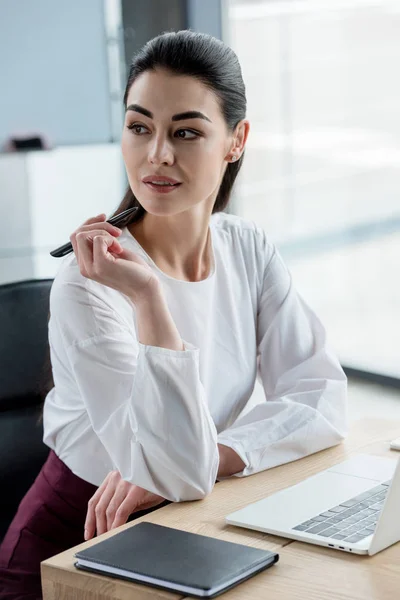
(239, 141)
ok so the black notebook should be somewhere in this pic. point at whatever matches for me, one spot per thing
(175, 560)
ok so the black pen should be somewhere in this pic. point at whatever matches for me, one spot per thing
(121, 219)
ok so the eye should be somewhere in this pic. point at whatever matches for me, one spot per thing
(135, 127)
(179, 133)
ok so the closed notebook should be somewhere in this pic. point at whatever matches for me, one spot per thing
(176, 560)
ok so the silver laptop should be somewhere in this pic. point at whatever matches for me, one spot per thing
(353, 507)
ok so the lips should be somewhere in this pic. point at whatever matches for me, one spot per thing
(161, 184)
(160, 179)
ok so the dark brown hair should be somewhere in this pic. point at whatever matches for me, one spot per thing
(214, 64)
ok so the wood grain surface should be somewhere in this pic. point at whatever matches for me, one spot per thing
(303, 571)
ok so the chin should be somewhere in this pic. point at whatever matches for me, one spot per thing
(160, 208)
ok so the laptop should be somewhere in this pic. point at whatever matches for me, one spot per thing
(353, 507)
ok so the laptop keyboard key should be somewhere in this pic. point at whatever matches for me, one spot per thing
(352, 530)
(351, 520)
(378, 505)
(341, 526)
(363, 505)
(367, 512)
(352, 511)
(354, 521)
(309, 523)
(349, 503)
(329, 532)
(334, 520)
(379, 498)
(354, 538)
(365, 532)
(381, 489)
(364, 495)
(367, 503)
(372, 501)
(318, 528)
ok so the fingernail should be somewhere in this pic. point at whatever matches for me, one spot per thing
(86, 534)
(118, 229)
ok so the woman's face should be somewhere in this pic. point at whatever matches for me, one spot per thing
(174, 129)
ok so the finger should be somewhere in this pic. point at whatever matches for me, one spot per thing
(112, 229)
(74, 244)
(94, 226)
(102, 505)
(84, 243)
(128, 506)
(120, 494)
(90, 522)
(103, 246)
(100, 217)
(89, 222)
(84, 253)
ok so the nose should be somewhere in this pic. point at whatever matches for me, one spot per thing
(160, 151)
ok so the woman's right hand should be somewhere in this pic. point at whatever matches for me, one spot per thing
(102, 258)
(113, 503)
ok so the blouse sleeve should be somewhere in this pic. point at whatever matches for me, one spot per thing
(305, 408)
(146, 404)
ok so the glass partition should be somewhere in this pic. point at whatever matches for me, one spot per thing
(322, 167)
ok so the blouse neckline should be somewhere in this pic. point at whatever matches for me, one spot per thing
(210, 276)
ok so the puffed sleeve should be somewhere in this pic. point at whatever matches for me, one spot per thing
(305, 408)
(146, 404)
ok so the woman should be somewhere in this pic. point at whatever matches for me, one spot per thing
(158, 331)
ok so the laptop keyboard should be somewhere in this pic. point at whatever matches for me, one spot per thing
(350, 521)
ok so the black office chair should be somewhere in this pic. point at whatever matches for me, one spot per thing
(24, 352)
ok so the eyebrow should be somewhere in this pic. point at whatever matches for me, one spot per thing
(190, 114)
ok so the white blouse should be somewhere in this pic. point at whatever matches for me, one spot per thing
(156, 415)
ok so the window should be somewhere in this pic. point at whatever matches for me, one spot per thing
(322, 167)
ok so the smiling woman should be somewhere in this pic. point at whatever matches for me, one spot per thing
(185, 124)
(158, 331)
(182, 153)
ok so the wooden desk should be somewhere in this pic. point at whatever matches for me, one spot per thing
(303, 571)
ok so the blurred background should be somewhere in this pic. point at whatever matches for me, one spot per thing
(322, 167)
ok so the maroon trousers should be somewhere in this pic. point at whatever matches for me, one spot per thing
(49, 520)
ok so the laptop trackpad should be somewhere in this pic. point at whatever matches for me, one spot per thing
(376, 468)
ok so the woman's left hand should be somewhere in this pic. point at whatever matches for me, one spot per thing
(113, 502)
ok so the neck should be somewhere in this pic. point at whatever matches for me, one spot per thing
(180, 245)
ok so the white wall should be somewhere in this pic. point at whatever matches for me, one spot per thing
(46, 196)
(54, 70)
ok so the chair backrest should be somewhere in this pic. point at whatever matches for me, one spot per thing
(24, 310)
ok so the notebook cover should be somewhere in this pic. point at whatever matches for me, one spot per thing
(178, 557)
